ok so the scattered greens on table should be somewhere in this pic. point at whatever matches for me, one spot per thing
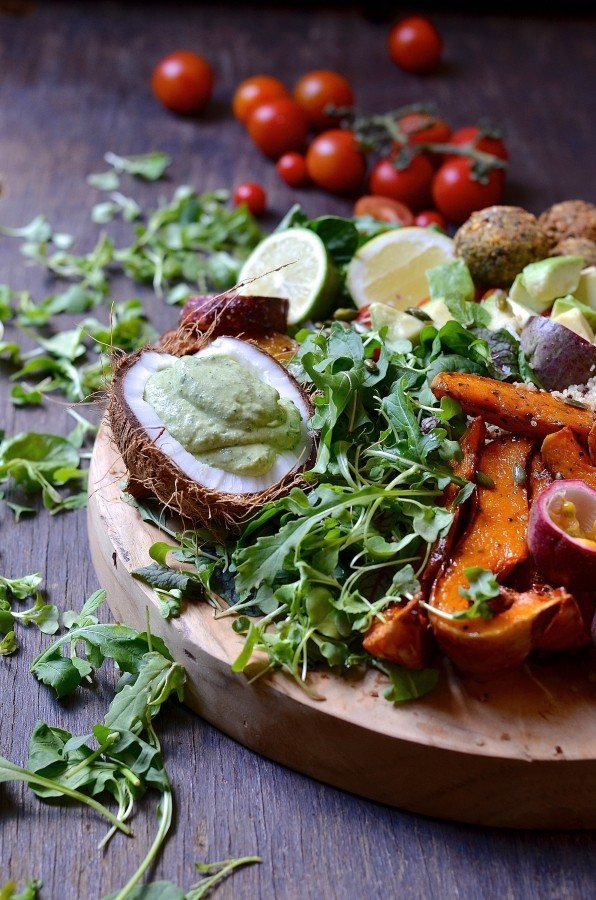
(324, 562)
(194, 242)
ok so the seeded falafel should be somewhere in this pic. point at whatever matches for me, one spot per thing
(576, 246)
(497, 242)
(569, 219)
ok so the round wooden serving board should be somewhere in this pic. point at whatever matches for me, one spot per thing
(514, 751)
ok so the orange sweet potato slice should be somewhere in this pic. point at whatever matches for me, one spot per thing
(539, 475)
(403, 636)
(566, 457)
(570, 626)
(517, 408)
(471, 443)
(494, 539)
(402, 633)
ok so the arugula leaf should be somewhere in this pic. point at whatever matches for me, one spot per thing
(30, 891)
(10, 772)
(43, 463)
(407, 684)
(483, 588)
(170, 586)
(123, 644)
(43, 615)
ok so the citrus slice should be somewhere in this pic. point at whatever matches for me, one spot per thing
(293, 264)
(391, 267)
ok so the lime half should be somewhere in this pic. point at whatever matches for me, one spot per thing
(293, 264)
(391, 268)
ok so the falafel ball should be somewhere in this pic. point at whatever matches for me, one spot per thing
(567, 219)
(496, 243)
(573, 246)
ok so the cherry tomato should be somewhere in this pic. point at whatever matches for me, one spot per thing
(253, 91)
(291, 167)
(422, 127)
(364, 317)
(278, 126)
(409, 185)
(384, 209)
(335, 162)
(485, 139)
(251, 194)
(457, 194)
(431, 217)
(415, 45)
(318, 91)
(183, 82)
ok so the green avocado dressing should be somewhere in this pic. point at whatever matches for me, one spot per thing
(223, 414)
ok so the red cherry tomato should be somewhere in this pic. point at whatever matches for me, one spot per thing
(318, 91)
(422, 128)
(415, 45)
(335, 162)
(409, 185)
(431, 217)
(291, 168)
(253, 91)
(364, 317)
(485, 139)
(457, 194)
(384, 209)
(251, 194)
(183, 82)
(278, 126)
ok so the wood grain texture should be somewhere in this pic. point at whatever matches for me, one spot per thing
(465, 753)
(75, 85)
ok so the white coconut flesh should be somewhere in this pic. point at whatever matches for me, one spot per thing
(263, 367)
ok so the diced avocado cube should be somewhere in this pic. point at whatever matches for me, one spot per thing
(438, 311)
(401, 326)
(505, 312)
(574, 319)
(540, 283)
(586, 288)
(565, 304)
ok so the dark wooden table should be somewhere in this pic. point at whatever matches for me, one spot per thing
(75, 84)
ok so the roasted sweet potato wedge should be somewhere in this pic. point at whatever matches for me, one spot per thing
(402, 636)
(471, 444)
(513, 407)
(569, 628)
(494, 539)
(566, 457)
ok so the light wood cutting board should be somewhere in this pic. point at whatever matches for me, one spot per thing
(515, 751)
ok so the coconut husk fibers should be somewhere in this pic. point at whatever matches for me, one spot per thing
(152, 472)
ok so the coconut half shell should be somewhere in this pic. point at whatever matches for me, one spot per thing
(158, 464)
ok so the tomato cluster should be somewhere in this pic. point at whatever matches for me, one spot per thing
(421, 172)
(433, 169)
(408, 166)
(299, 129)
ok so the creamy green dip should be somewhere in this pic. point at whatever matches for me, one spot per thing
(223, 414)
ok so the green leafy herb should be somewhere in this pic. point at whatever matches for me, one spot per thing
(120, 643)
(45, 463)
(484, 587)
(43, 615)
(30, 892)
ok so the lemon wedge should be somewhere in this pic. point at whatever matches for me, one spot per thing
(391, 267)
(293, 264)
